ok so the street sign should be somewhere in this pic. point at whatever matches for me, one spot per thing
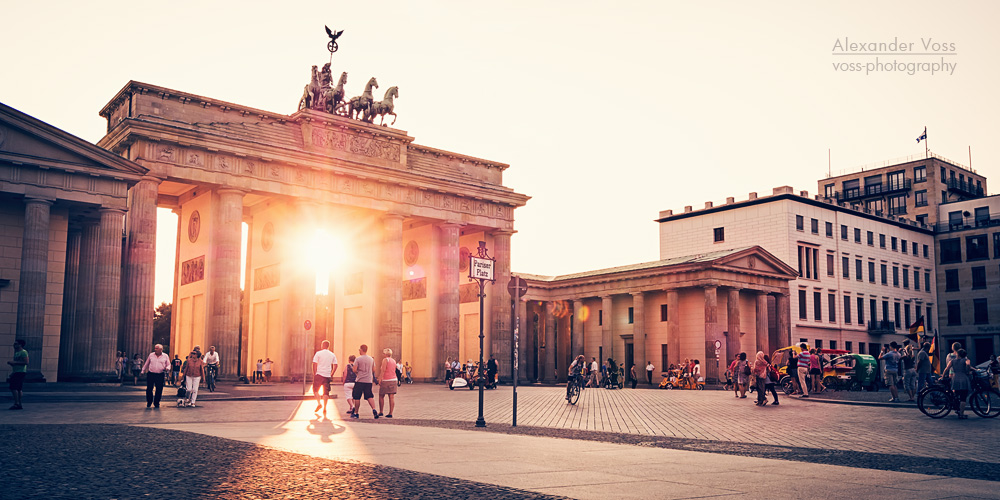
(307, 325)
(718, 345)
(517, 287)
(480, 268)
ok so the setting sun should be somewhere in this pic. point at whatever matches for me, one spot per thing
(323, 254)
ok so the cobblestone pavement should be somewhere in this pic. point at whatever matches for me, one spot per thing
(122, 462)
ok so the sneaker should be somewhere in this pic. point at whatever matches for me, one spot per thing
(892, 400)
(380, 414)
(350, 412)
(354, 415)
(774, 403)
(192, 405)
(389, 415)
(375, 414)
(804, 396)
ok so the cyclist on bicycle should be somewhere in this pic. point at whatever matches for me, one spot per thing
(211, 360)
(576, 373)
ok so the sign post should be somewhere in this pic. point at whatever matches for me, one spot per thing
(481, 267)
(517, 287)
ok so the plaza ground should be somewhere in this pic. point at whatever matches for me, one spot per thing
(617, 444)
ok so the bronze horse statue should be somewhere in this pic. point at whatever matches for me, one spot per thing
(333, 98)
(360, 107)
(385, 107)
(311, 91)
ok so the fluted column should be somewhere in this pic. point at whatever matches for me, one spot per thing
(86, 298)
(68, 328)
(33, 279)
(763, 342)
(549, 373)
(607, 338)
(448, 298)
(639, 336)
(108, 297)
(577, 339)
(781, 307)
(733, 344)
(390, 304)
(711, 329)
(673, 329)
(175, 306)
(500, 336)
(140, 267)
(227, 233)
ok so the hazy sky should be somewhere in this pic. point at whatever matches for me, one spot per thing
(607, 112)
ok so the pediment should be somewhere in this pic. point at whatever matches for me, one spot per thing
(25, 139)
(756, 259)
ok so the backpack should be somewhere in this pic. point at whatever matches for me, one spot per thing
(746, 367)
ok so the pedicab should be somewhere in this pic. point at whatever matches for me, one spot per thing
(852, 372)
(675, 380)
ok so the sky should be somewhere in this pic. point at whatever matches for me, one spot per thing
(607, 112)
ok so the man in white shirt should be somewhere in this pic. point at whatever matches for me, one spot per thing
(324, 366)
(268, 366)
(211, 359)
(594, 370)
(649, 372)
(156, 367)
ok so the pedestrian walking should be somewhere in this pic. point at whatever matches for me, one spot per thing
(742, 371)
(324, 367)
(924, 369)
(816, 371)
(594, 370)
(193, 371)
(350, 376)
(363, 365)
(759, 372)
(268, 368)
(649, 372)
(891, 357)
(175, 370)
(909, 367)
(803, 369)
(953, 355)
(772, 379)
(258, 375)
(995, 371)
(156, 367)
(136, 368)
(960, 380)
(633, 376)
(388, 382)
(492, 368)
(696, 371)
(19, 370)
(119, 365)
(792, 370)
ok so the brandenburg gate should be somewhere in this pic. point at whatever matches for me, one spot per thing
(325, 186)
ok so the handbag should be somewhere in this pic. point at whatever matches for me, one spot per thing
(746, 368)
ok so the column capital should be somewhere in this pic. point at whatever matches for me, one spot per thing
(637, 294)
(111, 210)
(37, 200)
(450, 223)
(502, 232)
(392, 215)
(151, 178)
(228, 190)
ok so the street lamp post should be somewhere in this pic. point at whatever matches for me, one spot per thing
(481, 267)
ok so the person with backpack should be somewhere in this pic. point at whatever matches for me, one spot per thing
(760, 377)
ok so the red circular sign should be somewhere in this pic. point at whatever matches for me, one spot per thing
(308, 324)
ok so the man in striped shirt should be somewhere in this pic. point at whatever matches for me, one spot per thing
(803, 368)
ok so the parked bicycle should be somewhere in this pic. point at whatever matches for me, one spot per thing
(938, 400)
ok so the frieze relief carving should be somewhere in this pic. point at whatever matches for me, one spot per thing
(249, 168)
(193, 270)
(415, 289)
(224, 163)
(274, 172)
(468, 292)
(267, 277)
(166, 153)
(373, 148)
(194, 159)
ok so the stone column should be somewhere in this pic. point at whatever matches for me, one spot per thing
(673, 328)
(108, 296)
(84, 333)
(639, 336)
(522, 341)
(781, 307)
(607, 333)
(33, 280)
(500, 336)
(224, 327)
(711, 331)
(448, 299)
(68, 328)
(390, 296)
(733, 344)
(246, 365)
(140, 267)
(175, 306)
(549, 374)
(577, 339)
(763, 341)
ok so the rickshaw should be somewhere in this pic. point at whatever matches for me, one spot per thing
(851, 372)
(673, 379)
(780, 359)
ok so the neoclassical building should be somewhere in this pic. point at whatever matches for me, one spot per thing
(406, 217)
(62, 213)
(708, 306)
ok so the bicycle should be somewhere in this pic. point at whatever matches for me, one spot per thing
(573, 389)
(211, 372)
(938, 400)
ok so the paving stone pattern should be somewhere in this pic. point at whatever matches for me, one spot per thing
(123, 462)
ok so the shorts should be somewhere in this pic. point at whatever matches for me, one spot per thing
(321, 381)
(349, 390)
(362, 389)
(387, 387)
(267, 373)
(17, 381)
(891, 379)
(815, 371)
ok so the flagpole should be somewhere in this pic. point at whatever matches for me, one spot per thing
(927, 149)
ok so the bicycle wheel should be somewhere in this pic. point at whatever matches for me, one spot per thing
(935, 402)
(574, 394)
(985, 403)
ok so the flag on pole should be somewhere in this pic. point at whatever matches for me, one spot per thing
(933, 354)
(923, 137)
(916, 330)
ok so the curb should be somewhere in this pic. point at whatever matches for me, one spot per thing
(858, 403)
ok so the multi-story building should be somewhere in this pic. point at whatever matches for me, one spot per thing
(967, 240)
(863, 278)
(912, 189)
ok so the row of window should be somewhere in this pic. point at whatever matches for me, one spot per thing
(952, 279)
(809, 269)
(848, 346)
(980, 312)
(896, 180)
(900, 318)
(976, 248)
(895, 244)
(631, 315)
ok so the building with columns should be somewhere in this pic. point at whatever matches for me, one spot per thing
(394, 220)
(62, 212)
(663, 311)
